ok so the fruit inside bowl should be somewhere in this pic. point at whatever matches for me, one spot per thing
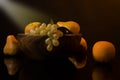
(41, 42)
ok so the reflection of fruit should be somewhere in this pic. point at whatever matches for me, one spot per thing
(83, 42)
(71, 25)
(12, 65)
(11, 46)
(102, 73)
(103, 51)
(77, 64)
(30, 26)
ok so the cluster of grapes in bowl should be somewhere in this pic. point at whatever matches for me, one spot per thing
(53, 31)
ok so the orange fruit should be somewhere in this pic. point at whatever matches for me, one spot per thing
(103, 51)
(11, 46)
(83, 42)
(30, 26)
(70, 25)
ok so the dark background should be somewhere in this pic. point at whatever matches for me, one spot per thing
(99, 20)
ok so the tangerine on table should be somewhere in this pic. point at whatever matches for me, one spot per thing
(103, 51)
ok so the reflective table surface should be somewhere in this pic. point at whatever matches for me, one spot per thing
(20, 68)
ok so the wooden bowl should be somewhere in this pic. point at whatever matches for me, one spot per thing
(34, 47)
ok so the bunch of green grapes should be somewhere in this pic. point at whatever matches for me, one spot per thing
(50, 30)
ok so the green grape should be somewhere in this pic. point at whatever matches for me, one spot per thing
(43, 26)
(53, 28)
(55, 42)
(48, 41)
(49, 33)
(49, 47)
(56, 36)
(60, 33)
(43, 32)
(37, 30)
(48, 27)
(32, 31)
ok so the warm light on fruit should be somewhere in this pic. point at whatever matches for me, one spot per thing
(30, 26)
(11, 46)
(83, 42)
(70, 25)
(103, 51)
